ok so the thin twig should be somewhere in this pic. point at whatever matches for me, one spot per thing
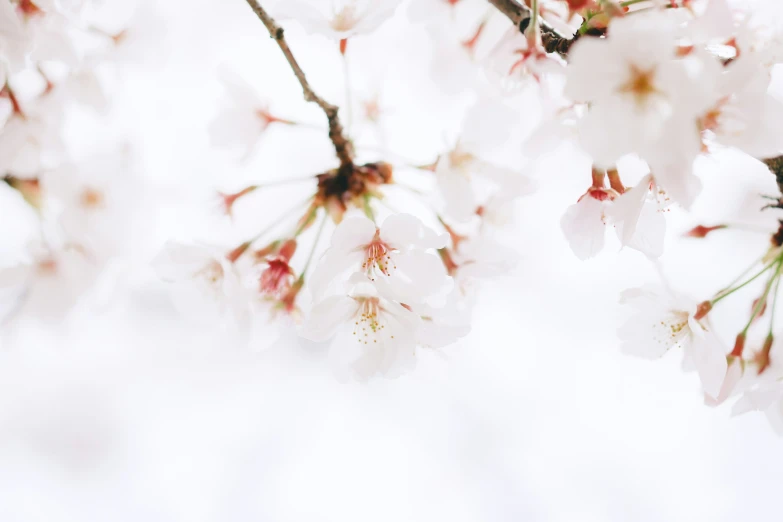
(342, 145)
(520, 15)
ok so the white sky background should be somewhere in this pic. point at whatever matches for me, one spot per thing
(130, 413)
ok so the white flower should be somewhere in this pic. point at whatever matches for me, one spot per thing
(748, 115)
(482, 256)
(643, 98)
(513, 63)
(371, 334)
(243, 118)
(94, 201)
(53, 36)
(204, 285)
(49, 285)
(443, 325)
(14, 43)
(32, 143)
(394, 256)
(661, 321)
(463, 171)
(339, 19)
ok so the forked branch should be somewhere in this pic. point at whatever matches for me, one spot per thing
(520, 16)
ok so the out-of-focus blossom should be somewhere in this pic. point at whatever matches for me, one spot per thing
(205, 286)
(338, 20)
(243, 117)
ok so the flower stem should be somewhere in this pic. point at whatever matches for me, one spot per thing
(285, 215)
(534, 19)
(732, 290)
(774, 306)
(763, 300)
(315, 244)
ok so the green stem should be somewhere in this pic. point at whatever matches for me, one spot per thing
(731, 291)
(285, 215)
(762, 301)
(315, 244)
(774, 306)
(534, 18)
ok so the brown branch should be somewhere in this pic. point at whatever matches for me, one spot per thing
(520, 15)
(342, 145)
(775, 166)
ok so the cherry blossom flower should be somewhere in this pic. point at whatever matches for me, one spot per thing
(461, 170)
(661, 321)
(31, 142)
(643, 99)
(341, 19)
(204, 285)
(515, 63)
(480, 256)
(394, 256)
(95, 201)
(636, 214)
(370, 333)
(747, 114)
(49, 284)
(443, 325)
(14, 43)
(244, 117)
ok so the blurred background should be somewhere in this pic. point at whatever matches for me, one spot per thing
(129, 411)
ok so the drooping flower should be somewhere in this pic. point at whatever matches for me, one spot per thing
(660, 321)
(396, 256)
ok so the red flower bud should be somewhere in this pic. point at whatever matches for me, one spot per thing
(702, 310)
(702, 231)
(739, 345)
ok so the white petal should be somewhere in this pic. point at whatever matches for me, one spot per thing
(327, 316)
(333, 264)
(353, 232)
(178, 261)
(417, 276)
(710, 361)
(730, 381)
(650, 231)
(627, 208)
(584, 227)
(402, 231)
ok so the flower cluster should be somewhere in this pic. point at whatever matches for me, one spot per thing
(71, 209)
(639, 89)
